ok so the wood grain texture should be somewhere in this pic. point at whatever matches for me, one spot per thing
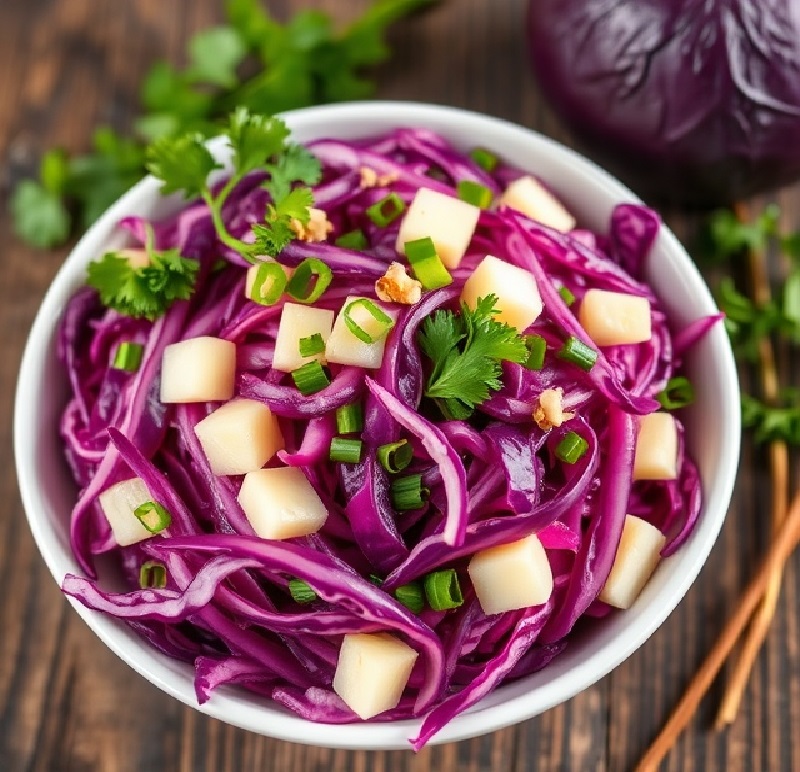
(68, 705)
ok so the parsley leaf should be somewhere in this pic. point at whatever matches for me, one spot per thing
(40, 217)
(467, 351)
(731, 236)
(773, 422)
(255, 139)
(215, 54)
(145, 292)
(181, 163)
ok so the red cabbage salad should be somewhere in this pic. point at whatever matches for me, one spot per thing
(370, 427)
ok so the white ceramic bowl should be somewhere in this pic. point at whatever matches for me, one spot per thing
(713, 437)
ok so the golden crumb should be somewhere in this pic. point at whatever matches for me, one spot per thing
(317, 228)
(396, 286)
(549, 412)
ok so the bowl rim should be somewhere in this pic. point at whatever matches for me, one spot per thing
(248, 712)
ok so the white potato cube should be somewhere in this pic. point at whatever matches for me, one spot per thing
(239, 437)
(637, 556)
(511, 576)
(198, 370)
(656, 456)
(529, 196)
(372, 671)
(449, 222)
(118, 504)
(299, 322)
(615, 318)
(517, 293)
(281, 503)
(344, 348)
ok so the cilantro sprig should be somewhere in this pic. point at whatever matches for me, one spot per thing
(184, 163)
(467, 350)
(146, 291)
(251, 60)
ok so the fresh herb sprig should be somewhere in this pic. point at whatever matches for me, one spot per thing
(467, 350)
(184, 164)
(251, 61)
(145, 291)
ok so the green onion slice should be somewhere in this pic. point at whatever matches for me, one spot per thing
(571, 447)
(394, 457)
(353, 240)
(678, 393)
(566, 295)
(382, 321)
(152, 575)
(484, 158)
(375, 579)
(301, 591)
(128, 357)
(387, 210)
(474, 193)
(411, 596)
(269, 284)
(578, 353)
(408, 493)
(312, 345)
(345, 450)
(153, 516)
(349, 418)
(310, 378)
(537, 348)
(426, 263)
(310, 279)
(443, 590)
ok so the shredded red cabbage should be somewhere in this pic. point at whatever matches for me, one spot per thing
(492, 479)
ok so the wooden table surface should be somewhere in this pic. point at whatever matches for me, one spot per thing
(68, 704)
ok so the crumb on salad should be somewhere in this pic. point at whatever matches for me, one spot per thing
(317, 228)
(396, 286)
(371, 179)
(549, 413)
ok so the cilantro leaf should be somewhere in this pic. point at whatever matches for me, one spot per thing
(181, 163)
(294, 205)
(255, 139)
(296, 164)
(145, 292)
(40, 217)
(215, 54)
(772, 422)
(730, 235)
(271, 238)
(467, 352)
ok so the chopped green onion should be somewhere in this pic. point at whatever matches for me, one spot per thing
(352, 240)
(411, 596)
(474, 193)
(302, 286)
(484, 158)
(381, 318)
(152, 575)
(394, 457)
(301, 591)
(408, 493)
(345, 450)
(153, 516)
(443, 590)
(537, 348)
(426, 263)
(349, 418)
(311, 345)
(678, 393)
(571, 447)
(376, 580)
(566, 295)
(128, 356)
(578, 353)
(387, 210)
(310, 378)
(269, 283)
(219, 264)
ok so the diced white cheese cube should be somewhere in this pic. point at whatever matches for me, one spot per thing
(281, 503)
(344, 348)
(198, 370)
(517, 294)
(511, 576)
(298, 322)
(614, 318)
(118, 504)
(656, 456)
(372, 671)
(637, 556)
(529, 196)
(449, 222)
(239, 437)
